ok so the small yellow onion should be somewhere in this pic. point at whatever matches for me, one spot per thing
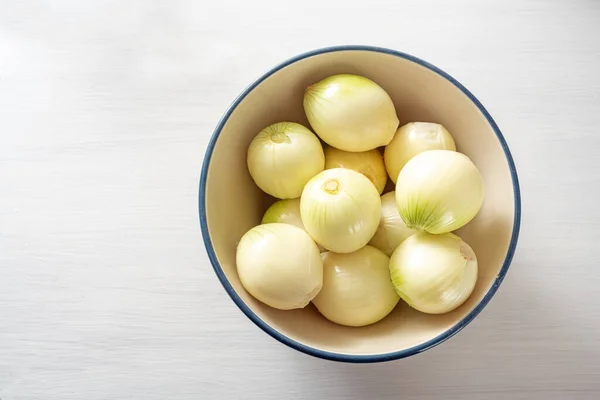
(280, 265)
(434, 274)
(283, 157)
(392, 230)
(357, 289)
(350, 112)
(285, 212)
(369, 163)
(439, 191)
(412, 139)
(340, 209)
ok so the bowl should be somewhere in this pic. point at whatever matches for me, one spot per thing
(230, 203)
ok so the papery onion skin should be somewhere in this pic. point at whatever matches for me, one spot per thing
(283, 157)
(439, 191)
(351, 112)
(279, 265)
(391, 230)
(412, 139)
(434, 274)
(285, 212)
(369, 163)
(340, 209)
(357, 289)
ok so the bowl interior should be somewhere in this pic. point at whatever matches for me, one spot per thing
(234, 204)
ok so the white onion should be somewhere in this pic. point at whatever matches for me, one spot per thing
(280, 265)
(412, 139)
(283, 157)
(285, 212)
(391, 230)
(434, 274)
(439, 191)
(369, 163)
(357, 289)
(340, 209)
(350, 112)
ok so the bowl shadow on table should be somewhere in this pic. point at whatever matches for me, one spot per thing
(511, 335)
(520, 326)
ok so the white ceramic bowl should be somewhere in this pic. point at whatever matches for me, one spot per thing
(230, 203)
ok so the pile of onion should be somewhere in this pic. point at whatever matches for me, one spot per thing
(333, 237)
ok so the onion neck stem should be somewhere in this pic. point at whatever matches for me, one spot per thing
(279, 137)
(332, 186)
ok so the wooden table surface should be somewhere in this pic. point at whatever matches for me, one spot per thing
(106, 108)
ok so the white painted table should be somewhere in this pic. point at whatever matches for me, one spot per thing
(105, 111)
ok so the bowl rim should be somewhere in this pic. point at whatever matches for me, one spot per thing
(352, 358)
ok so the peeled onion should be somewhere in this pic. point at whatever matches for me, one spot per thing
(369, 163)
(439, 191)
(340, 209)
(280, 265)
(412, 139)
(391, 230)
(285, 212)
(283, 157)
(357, 289)
(434, 274)
(350, 112)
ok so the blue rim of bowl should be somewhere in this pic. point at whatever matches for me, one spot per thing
(340, 356)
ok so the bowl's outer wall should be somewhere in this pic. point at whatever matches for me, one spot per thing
(230, 203)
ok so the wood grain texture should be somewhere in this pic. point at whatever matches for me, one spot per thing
(106, 108)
